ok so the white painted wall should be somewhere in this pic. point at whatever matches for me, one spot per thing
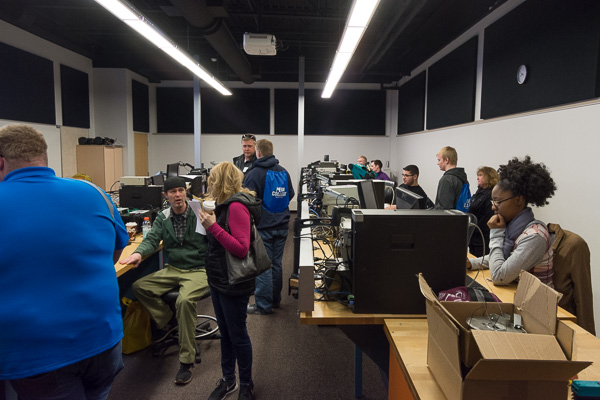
(165, 149)
(567, 141)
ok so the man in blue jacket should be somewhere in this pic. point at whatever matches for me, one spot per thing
(273, 185)
(61, 319)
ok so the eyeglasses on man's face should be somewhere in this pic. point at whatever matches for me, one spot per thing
(407, 175)
(248, 136)
(498, 202)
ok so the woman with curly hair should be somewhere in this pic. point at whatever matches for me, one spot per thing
(517, 240)
(480, 207)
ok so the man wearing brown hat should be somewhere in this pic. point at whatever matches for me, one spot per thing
(185, 251)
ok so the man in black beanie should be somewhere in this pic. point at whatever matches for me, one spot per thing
(185, 251)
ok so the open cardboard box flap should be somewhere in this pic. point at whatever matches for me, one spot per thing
(431, 296)
(517, 346)
(525, 370)
(537, 303)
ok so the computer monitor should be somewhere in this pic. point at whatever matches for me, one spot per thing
(342, 195)
(368, 198)
(389, 249)
(172, 170)
(142, 197)
(378, 187)
(405, 199)
(158, 179)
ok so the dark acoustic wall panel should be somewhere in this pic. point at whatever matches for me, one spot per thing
(247, 110)
(27, 83)
(141, 106)
(451, 87)
(75, 94)
(347, 112)
(411, 105)
(557, 40)
(174, 110)
(286, 111)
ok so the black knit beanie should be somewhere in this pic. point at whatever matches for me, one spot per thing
(173, 182)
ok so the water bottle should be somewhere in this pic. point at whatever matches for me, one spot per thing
(146, 226)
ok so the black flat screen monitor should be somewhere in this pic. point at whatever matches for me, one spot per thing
(172, 170)
(368, 195)
(405, 199)
(389, 249)
(141, 197)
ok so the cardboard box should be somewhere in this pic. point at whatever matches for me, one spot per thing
(475, 364)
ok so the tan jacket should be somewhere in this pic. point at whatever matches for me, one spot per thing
(572, 275)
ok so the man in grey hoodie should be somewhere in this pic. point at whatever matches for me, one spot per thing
(450, 184)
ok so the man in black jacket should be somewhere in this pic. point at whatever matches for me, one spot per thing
(273, 185)
(410, 181)
(246, 160)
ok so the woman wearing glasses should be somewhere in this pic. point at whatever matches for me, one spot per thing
(517, 240)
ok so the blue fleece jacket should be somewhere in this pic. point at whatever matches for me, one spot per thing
(255, 180)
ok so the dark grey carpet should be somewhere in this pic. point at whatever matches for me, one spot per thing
(291, 361)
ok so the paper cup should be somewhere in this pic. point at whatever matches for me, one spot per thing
(208, 205)
(131, 230)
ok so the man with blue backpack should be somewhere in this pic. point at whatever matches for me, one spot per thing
(273, 185)
(453, 192)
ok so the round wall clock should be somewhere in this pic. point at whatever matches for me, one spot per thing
(521, 74)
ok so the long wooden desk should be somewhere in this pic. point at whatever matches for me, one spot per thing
(333, 313)
(410, 377)
(127, 251)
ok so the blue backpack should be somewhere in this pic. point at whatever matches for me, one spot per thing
(464, 200)
(276, 197)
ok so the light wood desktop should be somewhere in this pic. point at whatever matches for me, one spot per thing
(333, 313)
(127, 251)
(410, 378)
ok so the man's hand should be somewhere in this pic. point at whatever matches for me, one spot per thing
(133, 259)
(496, 222)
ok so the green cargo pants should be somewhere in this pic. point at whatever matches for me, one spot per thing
(192, 286)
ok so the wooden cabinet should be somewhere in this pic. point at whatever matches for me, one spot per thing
(104, 164)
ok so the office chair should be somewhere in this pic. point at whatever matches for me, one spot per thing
(205, 330)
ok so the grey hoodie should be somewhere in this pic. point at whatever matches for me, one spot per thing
(449, 188)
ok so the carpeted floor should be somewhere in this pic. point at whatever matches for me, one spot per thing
(291, 361)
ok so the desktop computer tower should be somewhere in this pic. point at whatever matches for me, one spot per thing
(389, 249)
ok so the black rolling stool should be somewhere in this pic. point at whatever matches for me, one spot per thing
(206, 328)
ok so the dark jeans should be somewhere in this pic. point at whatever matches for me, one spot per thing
(269, 283)
(235, 342)
(87, 379)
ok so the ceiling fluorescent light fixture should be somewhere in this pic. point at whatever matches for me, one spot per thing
(126, 13)
(358, 20)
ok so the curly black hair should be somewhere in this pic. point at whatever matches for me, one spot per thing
(529, 179)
